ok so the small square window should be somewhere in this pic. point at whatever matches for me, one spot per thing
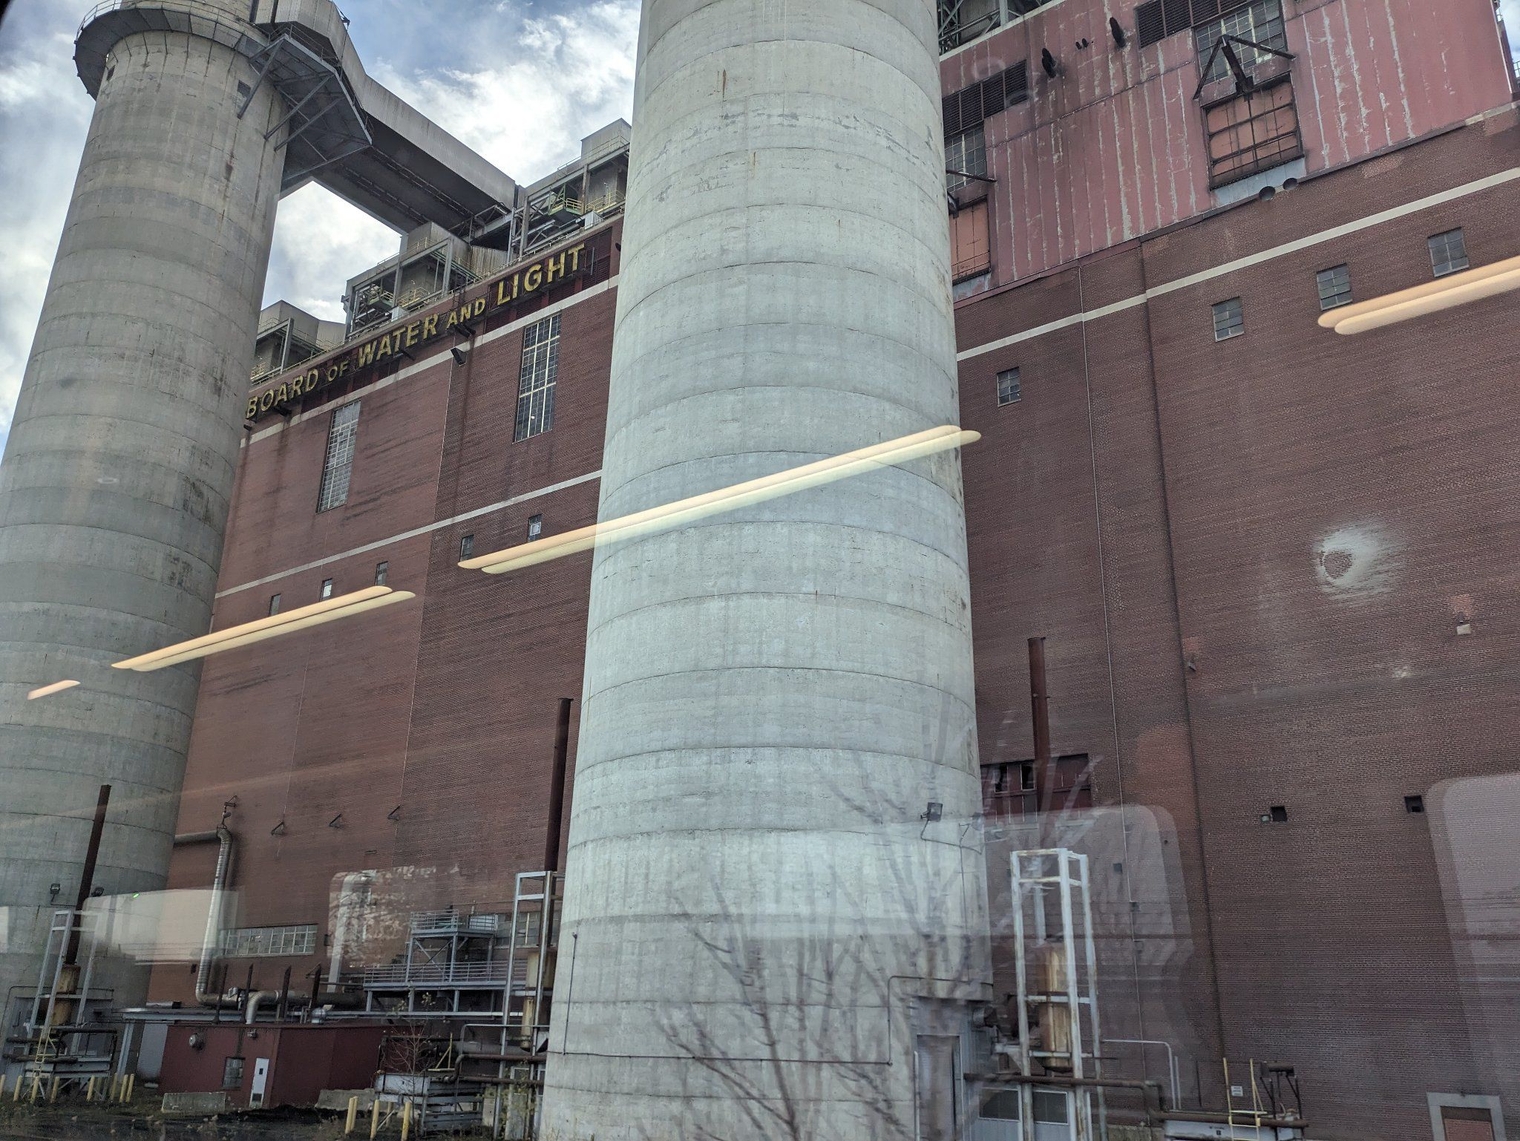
(1008, 387)
(1229, 319)
(1448, 253)
(467, 547)
(535, 526)
(1414, 805)
(1334, 287)
(274, 604)
(382, 572)
(327, 587)
(232, 1073)
(1277, 814)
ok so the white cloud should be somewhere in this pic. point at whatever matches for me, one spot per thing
(320, 241)
(554, 80)
(44, 115)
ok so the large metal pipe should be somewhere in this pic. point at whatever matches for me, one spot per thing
(771, 882)
(212, 938)
(87, 874)
(118, 471)
(557, 787)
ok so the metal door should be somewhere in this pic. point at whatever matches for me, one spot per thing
(260, 1081)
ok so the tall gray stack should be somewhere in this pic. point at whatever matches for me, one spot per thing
(115, 483)
(765, 918)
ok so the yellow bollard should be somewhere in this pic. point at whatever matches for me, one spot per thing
(353, 1113)
(36, 1087)
(374, 1119)
(89, 1090)
(129, 1087)
(19, 1079)
(53, 1092)
(406, 1119)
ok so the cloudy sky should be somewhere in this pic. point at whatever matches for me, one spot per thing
(545, 73)
(521, 81)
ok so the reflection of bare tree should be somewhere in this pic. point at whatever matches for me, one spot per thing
(825, 1010)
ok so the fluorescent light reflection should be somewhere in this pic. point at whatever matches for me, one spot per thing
(684, 511)
(1432, 297)
(275, 626)
(49, 690)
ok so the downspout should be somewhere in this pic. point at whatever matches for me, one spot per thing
(224, 839)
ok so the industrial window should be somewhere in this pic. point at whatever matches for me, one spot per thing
(467, 547)
(1259, 22)
(1251, 133)
(232, 1073)
(1448, 253)
(535, 385)
(1414, 805)
(970, 242)
(1008, 387)
(382, 572)
(966, 154)
(274, 604)
(968, 107)
(340, 457)
(327, 588)
(535, 526)
(526, 934)
(1334, 287)
(1229, 319)
(1158, 19)
(258, 942)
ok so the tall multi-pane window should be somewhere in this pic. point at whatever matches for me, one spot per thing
(1258, 23)
(253, 942)
(1008, 391)
(1334, 287)
(965, 153)
(535, 385)
(340, 457)
(1448, 253)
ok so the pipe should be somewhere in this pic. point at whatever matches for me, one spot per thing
(1171, 1062)
(1052, 1081)
(557, 786)
(87, 877)
(1039, 702)
(223, 836)
(251, 1006)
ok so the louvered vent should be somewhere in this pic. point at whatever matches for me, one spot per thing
(968, 107)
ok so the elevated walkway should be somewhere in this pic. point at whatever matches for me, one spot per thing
(343, 130)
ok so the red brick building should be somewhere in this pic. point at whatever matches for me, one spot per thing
(1274, 565)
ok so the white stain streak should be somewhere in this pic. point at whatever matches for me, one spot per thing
(1353, 54)
(1402, 81)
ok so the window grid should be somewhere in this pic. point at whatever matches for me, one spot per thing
(261, 942)
(1334, 287)
(1008, 390)
(327, 589)
(382, 572)
(1448, 253)
(1229, 319)
(1260, 23)
(274, 604)
(967, 153)
(535, 526)
(467, 547)
(340, 457)
(535, 386)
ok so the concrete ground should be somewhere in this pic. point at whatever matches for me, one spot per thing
(142, 1119)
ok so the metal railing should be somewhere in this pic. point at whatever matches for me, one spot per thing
(442, 974)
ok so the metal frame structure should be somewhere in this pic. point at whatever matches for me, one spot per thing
(61, 1051)
(957, 27)
(1034, 881)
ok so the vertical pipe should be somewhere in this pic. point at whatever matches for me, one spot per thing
(1039, 701)
(87, 876)
(557, 786)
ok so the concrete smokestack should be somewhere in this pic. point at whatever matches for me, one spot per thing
(773, 898)
(118, 473)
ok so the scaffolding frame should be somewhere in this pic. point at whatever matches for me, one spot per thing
(1033, 882)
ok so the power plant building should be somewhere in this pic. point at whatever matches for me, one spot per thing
(1241, 568)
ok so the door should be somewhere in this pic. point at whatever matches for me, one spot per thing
(260, 1083)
